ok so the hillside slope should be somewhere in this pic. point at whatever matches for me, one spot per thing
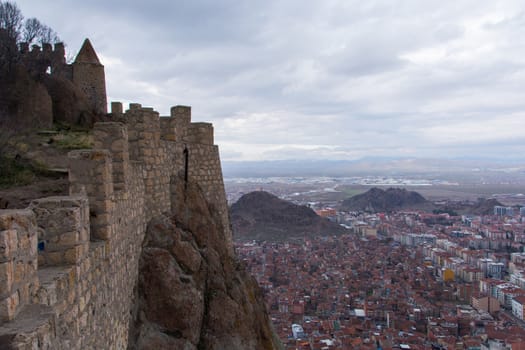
(260, 215)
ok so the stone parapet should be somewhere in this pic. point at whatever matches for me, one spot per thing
(91, 173)
(114, 138)
(200, 133)
(64, 230)
(182, 117)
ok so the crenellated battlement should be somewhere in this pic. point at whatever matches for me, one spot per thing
(76, 257)
(54, 54)
(57, 50)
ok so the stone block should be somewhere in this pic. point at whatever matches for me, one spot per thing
(9, 307)
(54, 258)
(20, 220)
(69, 239)
(88, 167)
(85, 266)
(118, 146)
(31, 268)
(71, 295)
(74, 255)
(101, 219)
(8, 244)
(24, 243)
(116, 107)
(61, 307)
(101, 232)
(23, 293)
(33, 245)
(104, 206)
(41, 260)
(72, 277)
(20, 272)
(49, 295)
(81, 303)
(6, 278)
(84, 234)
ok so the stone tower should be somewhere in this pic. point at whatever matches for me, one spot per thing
(88, 75)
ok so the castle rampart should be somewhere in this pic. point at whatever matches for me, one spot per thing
(68, 265)
(86, 72)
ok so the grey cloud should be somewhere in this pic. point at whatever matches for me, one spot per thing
(326, 79)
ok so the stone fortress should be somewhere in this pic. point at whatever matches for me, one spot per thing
(69, 264)
(45, 89)
(86, 72)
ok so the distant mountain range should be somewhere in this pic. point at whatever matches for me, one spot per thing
(378, 200)
(260, 215)
(469, 169)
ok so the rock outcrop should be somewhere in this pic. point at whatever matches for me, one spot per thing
(191, 293)
(260, 215)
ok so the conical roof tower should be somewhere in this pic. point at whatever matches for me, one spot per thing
(87, 54)
(89, 76)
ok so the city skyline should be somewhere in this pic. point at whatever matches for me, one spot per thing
(331, 80)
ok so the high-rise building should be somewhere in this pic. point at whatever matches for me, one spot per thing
(503, 211)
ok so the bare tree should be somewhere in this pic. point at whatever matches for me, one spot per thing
(47, 35)
(11, 19)
(32, 29)
(8, 54)
(36, 32)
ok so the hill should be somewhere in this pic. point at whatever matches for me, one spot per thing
(260, 215)
(378, 200)
(482, 206)
(485, 206)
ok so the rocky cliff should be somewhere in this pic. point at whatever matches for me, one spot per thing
(191, 294)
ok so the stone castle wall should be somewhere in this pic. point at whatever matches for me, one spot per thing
(69, 265)
(87, 75)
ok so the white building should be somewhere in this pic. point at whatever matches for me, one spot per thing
(297, 331)
(517, 306)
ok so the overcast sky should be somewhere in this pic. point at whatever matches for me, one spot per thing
(329, 79)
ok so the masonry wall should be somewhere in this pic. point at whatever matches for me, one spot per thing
(90, 78)
(68, 265)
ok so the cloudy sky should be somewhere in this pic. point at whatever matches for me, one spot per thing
(331, 79)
